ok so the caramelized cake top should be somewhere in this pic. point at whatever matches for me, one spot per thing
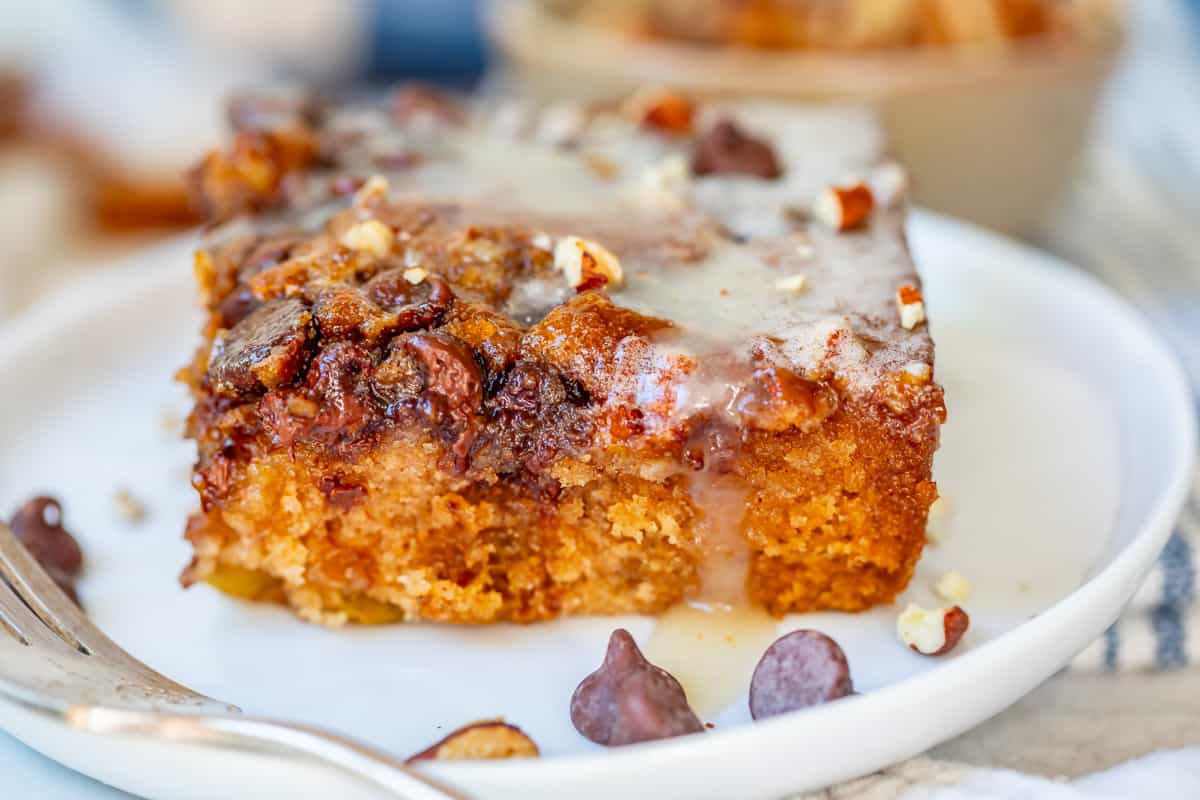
(573, 278)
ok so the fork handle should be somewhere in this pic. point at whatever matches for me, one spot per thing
(249, 733)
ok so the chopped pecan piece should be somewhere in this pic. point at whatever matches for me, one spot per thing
(662, 110)
(778, 399)
(932, 633)
(487, 739)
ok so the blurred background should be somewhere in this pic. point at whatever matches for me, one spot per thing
(1069, 122)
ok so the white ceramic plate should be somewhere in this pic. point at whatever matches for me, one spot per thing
(1065, 458)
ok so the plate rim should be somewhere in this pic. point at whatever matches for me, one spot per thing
(1111, 587)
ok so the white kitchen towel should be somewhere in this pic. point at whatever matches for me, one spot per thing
(1161, 776)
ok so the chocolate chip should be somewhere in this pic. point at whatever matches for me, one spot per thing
(725, 149)
(266, 253)
(530, 387)
(236, 307)
(338, 377)
(451, 371)
(38, 525)
(629, 700)
(265, 350)
(398, 376)
(414, 306)
(804, 668)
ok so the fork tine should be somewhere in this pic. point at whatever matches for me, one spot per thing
(48, 603)
(47, 613)
(9, 614)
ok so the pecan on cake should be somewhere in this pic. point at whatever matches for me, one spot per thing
(472, 364)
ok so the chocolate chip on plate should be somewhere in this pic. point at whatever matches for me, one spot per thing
(726, 149)
(38, 525)
(629, 700)
(804, 668)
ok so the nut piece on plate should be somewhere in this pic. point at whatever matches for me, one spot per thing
(665, 183)
(586, 264)
(844, 208)
(629, 700)
(804, 668)
(792, 284)
(953, 587)
(662, 110)
(561, 124)
(932, 633)
(38, 525)
(486, 739)
(128, 507)
(911, 303)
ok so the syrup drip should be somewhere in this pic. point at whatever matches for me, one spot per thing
(712, 649)
(712, 643)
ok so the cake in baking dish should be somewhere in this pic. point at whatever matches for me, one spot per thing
(475, 363)
(847, 25)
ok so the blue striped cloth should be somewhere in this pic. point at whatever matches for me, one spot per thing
(1133, 219)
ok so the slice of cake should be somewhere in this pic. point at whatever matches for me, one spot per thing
(476, 364)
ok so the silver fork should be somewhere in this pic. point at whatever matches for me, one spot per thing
(55, 662)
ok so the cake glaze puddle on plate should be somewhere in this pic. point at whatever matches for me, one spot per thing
(1064, 457)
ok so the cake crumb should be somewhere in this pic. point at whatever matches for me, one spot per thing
(128, 507)
(792, 284)
(171, 423)
(938, 522)
(953, 587)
